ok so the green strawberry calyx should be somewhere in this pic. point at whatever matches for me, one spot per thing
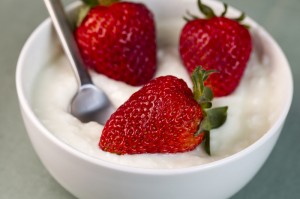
(88, 4)
(208, 12)
(93, 3)
(213, 117)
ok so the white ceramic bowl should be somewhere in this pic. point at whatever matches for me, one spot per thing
(87, 177)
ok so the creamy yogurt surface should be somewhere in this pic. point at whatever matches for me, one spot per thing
(252, 107)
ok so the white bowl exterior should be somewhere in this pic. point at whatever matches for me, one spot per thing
(87, 177)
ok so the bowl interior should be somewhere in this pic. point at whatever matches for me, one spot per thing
(43, 45)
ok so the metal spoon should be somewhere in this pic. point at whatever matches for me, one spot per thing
(90, 103)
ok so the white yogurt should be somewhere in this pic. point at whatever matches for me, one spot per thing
(250, 114)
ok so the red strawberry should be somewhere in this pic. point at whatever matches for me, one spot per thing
(163, 117)
(216, 43)
(119, 41)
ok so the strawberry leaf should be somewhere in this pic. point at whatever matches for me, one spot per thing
(88, 4)
(212, 117)
(202, 94)
(240, 18)
(205, 105)
(205, 125)
(193, 17)
(207, 142)
(91, 3)
(216, 117)
(207, 11)
(225, 10)
(206, 97)
(107, 2)
(198, 85)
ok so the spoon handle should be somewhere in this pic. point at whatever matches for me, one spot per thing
(63, 29)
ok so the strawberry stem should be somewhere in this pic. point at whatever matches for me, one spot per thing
(213, 117)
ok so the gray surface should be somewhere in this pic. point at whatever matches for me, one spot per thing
(23, 176)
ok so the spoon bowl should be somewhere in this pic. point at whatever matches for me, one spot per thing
(89, 103)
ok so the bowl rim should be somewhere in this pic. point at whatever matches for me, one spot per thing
(26, 108)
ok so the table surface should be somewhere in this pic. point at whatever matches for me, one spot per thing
(23, 176)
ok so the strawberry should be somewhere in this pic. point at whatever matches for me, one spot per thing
(216, 43)
(164, 116)
(118, 40)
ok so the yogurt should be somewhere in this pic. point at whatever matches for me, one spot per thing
(251, 109)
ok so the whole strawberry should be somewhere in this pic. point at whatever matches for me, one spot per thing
(219, 43)
(118, 39)
(163, 117)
